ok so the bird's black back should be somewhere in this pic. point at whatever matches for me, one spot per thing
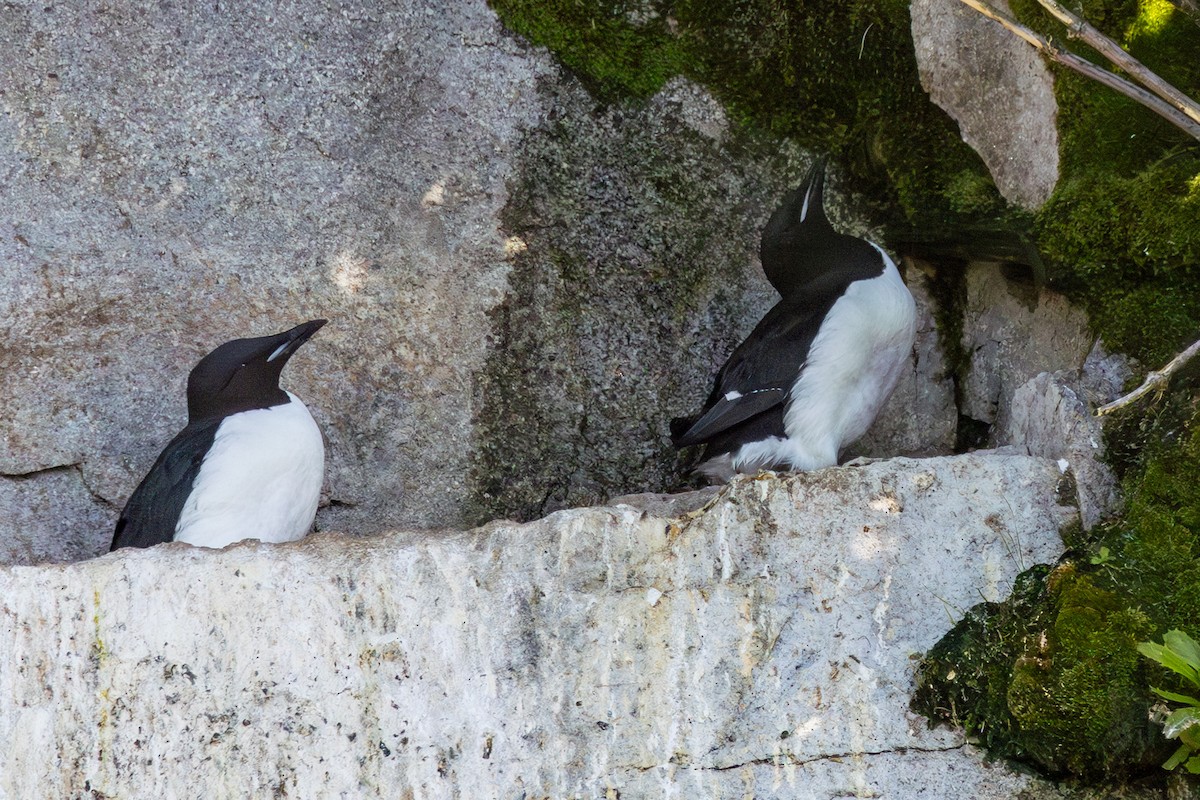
(763, 368)
(153, 510)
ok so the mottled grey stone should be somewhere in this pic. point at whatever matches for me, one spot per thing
(1011, 333)
(762, 645)
(181, 177)
(1051, 416)
(997, 88)
(50, 516)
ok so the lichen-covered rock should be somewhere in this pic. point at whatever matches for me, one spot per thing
(761, 644)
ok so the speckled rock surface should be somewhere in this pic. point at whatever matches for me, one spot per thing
(1012, 332)
(29, 508)
(179, 178)
(523, 285)
(997, 88)
(1051, 416)
(760, 645)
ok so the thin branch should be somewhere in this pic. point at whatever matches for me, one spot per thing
(1155, 382)
(1116, 54)
(1090, 70)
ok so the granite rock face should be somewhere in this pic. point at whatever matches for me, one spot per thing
(523, 286)
(761, 644)
(997, 88)
(1013, 332)
(30, 507)
(177, 179)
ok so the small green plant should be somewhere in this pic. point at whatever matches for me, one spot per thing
(1103, 557)
(1181, 654)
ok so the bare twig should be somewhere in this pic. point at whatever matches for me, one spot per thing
(1114, 53)
(1090, 70)
(1155, 382)
(1189, 7)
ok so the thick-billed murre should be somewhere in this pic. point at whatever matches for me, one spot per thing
(815, 372)
(249, 464)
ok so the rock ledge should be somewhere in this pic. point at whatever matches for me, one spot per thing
(762, 643)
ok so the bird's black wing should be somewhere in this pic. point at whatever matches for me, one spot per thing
(762, 369)
(153, 510)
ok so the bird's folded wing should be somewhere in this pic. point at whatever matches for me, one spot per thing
(153, 509)
(729, 411)
(760, 373)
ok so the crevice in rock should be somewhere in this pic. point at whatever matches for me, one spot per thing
(75, 468)
(786, 760)
(34, 473)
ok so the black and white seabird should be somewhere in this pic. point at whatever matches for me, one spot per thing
(249, 464)
(815, 372)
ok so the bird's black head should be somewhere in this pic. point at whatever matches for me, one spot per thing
(244, 374)
(799, 244)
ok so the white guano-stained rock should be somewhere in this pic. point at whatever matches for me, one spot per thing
(759, 646)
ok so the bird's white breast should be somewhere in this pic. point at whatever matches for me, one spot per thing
(853, 365)
(261, 479)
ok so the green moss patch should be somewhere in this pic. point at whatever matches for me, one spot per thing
(1052, 676)
(840, 78)
(1122, 231)
(618, 49)
(1129, 248)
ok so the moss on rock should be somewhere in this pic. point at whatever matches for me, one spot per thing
(840, 78)
(1122, 230)
(1059, 682)
(1129, 248)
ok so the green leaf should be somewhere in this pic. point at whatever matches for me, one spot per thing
(1175, 697)
(1193, 765)
(1183, 644)
(1181, 719)
(1151, 650)
(1178, 663)
(1177, 757)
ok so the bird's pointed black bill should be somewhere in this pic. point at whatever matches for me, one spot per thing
(813, 192)
(290, 341)
(786, 247)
